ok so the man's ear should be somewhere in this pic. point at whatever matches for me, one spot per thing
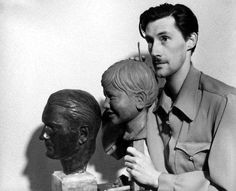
(192, 41)
(140, 99)
(83, 134)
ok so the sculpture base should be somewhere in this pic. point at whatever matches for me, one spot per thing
(73, 182)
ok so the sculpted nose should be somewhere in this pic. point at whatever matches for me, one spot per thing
(106, 104)
(44, 135)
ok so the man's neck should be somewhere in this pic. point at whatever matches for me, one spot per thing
(135, 129)
(175, 81)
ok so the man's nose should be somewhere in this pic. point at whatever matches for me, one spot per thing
(156, 48)
(106, 104)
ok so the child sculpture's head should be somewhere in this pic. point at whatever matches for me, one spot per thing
(130, 87)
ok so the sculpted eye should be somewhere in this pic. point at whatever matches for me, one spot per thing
(107, 95)
(49, 130)
(112, 97)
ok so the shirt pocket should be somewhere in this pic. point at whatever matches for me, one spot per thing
(191, 155)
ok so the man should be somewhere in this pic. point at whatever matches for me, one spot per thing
(72, 119)
(195, 113)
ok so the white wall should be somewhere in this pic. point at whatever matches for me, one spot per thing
(47, 45)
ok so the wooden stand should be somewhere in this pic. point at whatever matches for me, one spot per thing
(73, 182)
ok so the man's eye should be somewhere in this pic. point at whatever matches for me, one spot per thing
(164, 38)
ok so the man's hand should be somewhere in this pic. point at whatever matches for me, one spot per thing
(141, 168)
(136, 58)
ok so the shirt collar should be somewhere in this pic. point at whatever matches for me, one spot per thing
(187, 99)
(164, 101)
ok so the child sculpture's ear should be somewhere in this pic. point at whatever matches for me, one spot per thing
(83, 134)
(140, 99)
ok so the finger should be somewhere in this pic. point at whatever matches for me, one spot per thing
(130, 165)
(143, 58)
(134, 152)
(129, 158)
(129, 170)
(133, 172)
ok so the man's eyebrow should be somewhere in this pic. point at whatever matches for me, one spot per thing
(147, 37)
(163, 33)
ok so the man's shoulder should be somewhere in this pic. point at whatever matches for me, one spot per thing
(214, 86)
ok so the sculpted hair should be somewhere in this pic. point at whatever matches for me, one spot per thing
(185, 19)
(81, 109)
(132, 77)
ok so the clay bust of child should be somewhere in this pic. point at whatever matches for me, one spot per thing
(130, 88)
(71, 120)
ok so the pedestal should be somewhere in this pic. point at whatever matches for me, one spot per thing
(73, 182)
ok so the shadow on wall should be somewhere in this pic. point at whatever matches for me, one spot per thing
(39, 167)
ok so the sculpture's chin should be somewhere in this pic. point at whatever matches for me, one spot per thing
(51, 153)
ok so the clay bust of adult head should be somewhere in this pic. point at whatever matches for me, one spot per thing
(72, 119)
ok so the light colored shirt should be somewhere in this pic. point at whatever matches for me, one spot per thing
(198, 131)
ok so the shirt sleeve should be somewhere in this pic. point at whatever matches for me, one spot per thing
(222, 165)
(221, 161)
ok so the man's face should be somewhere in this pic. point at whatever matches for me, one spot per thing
(60, 140)
(119, 107)
(166, 46)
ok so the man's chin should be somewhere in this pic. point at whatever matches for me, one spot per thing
(160, 74)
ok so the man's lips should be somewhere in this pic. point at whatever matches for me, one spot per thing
(157, 61)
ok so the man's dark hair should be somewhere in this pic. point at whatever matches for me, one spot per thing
(185, 19)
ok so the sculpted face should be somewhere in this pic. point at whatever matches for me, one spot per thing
(72, 119)
(119, 107)
(60, 139)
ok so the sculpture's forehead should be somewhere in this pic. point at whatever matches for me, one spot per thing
(55, 114)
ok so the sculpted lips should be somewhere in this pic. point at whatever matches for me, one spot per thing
(109, 113)
(48, 144)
